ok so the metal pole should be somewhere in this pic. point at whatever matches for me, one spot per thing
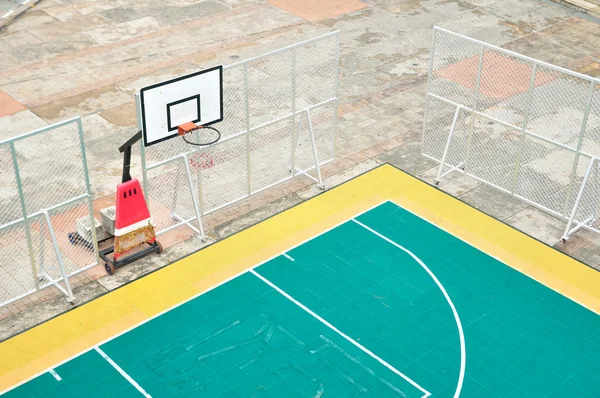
(88, 189)
(194, 198)
(138, 107)
(429, 73)
(61, 264)
(578, 150)
(13, 153)
(579, 196)
(247, 101)
(445, 154)
(314, 148)
(337, 89)
(523, 130)
(474, 107)
(294, 125)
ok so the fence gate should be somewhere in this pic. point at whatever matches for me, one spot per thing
(521, 125)
(280, 113)
(42, 196)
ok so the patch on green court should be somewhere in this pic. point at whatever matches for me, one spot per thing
(365, 309)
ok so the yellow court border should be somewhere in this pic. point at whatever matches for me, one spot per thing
(36, 350)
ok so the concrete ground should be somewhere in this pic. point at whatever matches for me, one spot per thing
(87, 58)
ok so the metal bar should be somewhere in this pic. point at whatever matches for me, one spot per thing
(524, 129)
(337, 90)
(429, 73)
(304, 173)
(248, 159)
(459, 167)
(282, 49)
(13, 154)
(314, 148)
(194, 198)
(579, 144)
(578, 199)
(42, 249)
(54, 282)
(475, 100)
(294, 125)
(88, 188)
(38, 131)
(517, 55)
(582, 225)
(512, 126)
(183, 221)
(61, 263)
(138, 108)
(447, 147)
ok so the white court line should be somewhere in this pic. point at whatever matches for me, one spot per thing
(288, 256)
(461, 334)
(350, 339)
(494, 257)
(191, 298)
(8, 14)
(56, 376)
(123, 373)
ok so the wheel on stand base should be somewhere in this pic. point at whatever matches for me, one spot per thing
(160, 247)
(72, 238)
(110, 268)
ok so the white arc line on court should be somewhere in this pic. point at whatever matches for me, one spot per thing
(56, 376)
(350, 339)
(122, 372)
(7, 14)
(461, 334)
(288, 256)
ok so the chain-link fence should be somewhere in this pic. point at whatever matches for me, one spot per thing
(280, 112)
(43, 195)
(521, 125)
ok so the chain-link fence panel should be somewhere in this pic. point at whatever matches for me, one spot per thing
(493, 152)
(265, 140)
(270, 154)
(530, 126)
(558, 106)
(544, 174)
(270, 87)
(224, 177)
(454, 69)
(16, 269)
(42, 201)
(317, 71)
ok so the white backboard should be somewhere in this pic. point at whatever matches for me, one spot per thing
(197, 98)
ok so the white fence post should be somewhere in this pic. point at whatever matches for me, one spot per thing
(568, 231)
(447, 147)
(578, 152)
(59, 258)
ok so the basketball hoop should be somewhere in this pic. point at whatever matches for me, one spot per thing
(198, 135)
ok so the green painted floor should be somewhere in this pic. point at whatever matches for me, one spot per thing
(245, 338)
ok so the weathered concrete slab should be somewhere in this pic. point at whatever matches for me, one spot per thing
(538, 224)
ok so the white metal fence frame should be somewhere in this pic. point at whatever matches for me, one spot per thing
(457, 150)
(40, 275)
(194, 181)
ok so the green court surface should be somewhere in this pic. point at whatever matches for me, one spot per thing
(365, 309)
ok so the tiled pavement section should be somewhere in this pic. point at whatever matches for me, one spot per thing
(88, 58)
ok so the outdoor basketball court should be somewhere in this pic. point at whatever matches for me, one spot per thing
(383, 286)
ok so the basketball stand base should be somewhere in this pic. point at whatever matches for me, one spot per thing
(111, 265)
